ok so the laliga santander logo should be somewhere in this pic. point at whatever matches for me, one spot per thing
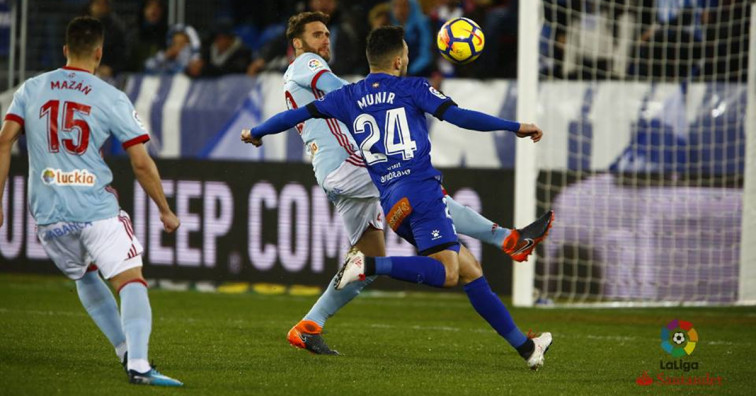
(77, 177)
(679, 338)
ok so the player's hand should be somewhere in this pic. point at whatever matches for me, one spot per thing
(246, 137)
(170, 221)
(530, 130)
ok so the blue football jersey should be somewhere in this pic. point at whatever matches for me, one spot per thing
(386, 116)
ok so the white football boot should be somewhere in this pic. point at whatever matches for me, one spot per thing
(542, 344)
(353, 269)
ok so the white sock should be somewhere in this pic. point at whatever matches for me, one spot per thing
(139, 365)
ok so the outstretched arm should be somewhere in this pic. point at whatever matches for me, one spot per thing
(475, 120)
(276, 124)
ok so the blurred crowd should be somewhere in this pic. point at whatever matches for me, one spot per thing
(605, 39)
(251, 37)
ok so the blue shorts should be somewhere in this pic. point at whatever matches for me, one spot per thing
(417, 212)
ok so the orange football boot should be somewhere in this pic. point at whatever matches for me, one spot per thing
(521, 242)
(308, 335)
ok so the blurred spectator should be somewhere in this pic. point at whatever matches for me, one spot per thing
(183, 47)
(149, 36)
(347, 48)
(417, 34)
(726, 41)
(226, 55)
(380, 15)
(114, 48)
(445, 10)
(347, 45)
(673, 33)
(589, 44)
(498, 18)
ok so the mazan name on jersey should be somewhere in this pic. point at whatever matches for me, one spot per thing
(74, 85)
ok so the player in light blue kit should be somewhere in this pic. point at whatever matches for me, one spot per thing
(67, 114)
(342, 174)
(386, 115)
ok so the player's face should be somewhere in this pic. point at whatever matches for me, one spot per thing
(405, 60)
(317, 39)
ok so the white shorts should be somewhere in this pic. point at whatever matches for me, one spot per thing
(356, 198)
(110, 244)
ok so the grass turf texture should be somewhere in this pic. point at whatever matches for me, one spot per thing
(417, 345)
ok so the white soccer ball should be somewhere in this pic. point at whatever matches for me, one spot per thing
(678, 338)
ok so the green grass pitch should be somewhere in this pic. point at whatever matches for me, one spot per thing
(421, 344)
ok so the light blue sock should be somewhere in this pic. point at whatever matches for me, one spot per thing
(101, 306)
(471, 223)
(332, 300)
(136, 317)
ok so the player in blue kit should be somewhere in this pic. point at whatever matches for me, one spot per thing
(386, 117)
(67, 114)
(339, 169)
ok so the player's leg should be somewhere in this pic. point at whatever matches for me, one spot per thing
(472, 223)
(518, 243)
(359, 208)
(101, 306)
(489, 306)
(117, 252)
(61, 242)
(417, 214)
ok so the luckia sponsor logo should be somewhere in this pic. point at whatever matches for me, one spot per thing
(76, 177)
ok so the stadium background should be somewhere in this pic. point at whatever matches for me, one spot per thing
(194, 114)
(255, 222)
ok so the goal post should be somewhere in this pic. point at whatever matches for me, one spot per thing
(648, 152)
(747, 285)
(525, 152)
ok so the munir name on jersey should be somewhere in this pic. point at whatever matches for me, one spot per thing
(376, 98)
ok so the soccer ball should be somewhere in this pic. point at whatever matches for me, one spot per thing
(460, 40)
(678, 338)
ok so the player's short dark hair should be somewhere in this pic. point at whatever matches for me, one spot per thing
(83, 35)
(383, 43)
(297, 23)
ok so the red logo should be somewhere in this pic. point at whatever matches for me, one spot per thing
(644, 379)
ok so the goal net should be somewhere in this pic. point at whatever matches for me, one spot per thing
(644, 105)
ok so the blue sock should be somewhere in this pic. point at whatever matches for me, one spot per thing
(414, 269)
(490, 307)
(136, 317)
(332, 300)
(101, 306)
(471, 223)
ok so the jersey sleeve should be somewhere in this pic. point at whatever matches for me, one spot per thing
(430, 99)
(125, 123)
(308, 70)
(329, 106)
(17, 108)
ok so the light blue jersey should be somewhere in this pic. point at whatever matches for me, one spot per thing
(327, 141)
(67, 115)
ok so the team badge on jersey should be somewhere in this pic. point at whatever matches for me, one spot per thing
(437, 93)
(138, 120)
(314, 64)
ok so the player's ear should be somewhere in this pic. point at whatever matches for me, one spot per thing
(296, 43)
(98, 54)
(65, 51)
